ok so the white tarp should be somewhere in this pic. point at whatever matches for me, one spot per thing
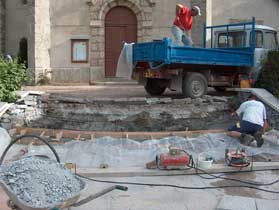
(125, 62)
(130, 153)
(5, 140)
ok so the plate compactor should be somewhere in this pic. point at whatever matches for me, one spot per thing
(174, 159)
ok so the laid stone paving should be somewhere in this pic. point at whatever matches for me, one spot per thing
(245, 203)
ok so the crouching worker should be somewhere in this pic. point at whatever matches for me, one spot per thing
(253, 122)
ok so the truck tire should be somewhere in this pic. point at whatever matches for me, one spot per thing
(156, 87)
(194, 85)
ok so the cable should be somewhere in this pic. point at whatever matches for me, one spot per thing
(235, 180)
(177, 186)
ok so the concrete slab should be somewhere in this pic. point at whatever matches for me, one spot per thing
(267, 204)
(237, 203)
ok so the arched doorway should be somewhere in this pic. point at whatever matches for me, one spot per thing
(23, 51)
(120, 26)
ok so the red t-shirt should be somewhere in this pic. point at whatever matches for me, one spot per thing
(185, 21)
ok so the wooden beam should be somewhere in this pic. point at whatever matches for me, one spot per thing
(59, 134)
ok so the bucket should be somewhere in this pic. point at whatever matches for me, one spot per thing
(204, 162)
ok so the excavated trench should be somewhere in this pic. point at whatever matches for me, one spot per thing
(133, 114)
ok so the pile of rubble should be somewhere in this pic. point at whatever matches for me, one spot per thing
(40, 183)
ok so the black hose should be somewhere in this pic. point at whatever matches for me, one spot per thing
(29, 136)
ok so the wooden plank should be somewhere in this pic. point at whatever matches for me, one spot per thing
(58, 136)
(87, 135)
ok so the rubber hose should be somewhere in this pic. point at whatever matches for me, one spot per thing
(29, 136)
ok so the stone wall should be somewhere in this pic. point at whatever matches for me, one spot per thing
(42, 38)
(2, 26)
(134, 114)
(20, 21)
(199, 21)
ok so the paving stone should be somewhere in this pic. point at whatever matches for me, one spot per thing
(267, 204)
(237, 203)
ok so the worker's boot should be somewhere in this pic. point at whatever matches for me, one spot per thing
(259, 138)
(246, 139)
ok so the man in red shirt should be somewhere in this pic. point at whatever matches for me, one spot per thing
(183, 23)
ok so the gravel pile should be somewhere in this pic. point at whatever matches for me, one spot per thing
(41, 183)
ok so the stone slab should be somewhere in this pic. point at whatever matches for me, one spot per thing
(267, 204)
(237, 203)
(140, 171)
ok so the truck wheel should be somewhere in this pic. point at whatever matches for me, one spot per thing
(156, 87)
(220, 89)
(194, 85)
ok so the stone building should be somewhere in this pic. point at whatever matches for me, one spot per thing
(2, 26)
(78, 41)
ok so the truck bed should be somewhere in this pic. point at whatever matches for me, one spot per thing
(159, 53)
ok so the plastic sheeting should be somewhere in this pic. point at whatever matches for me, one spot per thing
(5, 140)
(125, 62)
(129, 153)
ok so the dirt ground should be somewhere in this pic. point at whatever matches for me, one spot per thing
(113, 91)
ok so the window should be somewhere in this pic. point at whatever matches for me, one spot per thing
(258, 39)
(235, 39)
(79, 50)
(270, 41)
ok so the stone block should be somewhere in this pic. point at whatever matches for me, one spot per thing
(237, 203)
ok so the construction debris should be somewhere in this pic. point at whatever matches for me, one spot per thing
(41, 183)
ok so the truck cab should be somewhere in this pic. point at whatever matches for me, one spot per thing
(231, 57)
(265, 39)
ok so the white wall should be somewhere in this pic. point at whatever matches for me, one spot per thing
(69, 19)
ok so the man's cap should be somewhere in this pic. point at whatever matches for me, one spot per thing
(197, 8)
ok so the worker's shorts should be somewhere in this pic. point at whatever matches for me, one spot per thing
(245, 127)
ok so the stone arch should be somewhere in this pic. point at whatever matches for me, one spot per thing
(98, 10)
(114, 3)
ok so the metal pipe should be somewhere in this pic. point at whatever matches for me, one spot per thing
(99, 194)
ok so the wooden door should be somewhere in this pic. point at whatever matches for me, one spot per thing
(120, 26)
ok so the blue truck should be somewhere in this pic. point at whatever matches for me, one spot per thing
(231, 58)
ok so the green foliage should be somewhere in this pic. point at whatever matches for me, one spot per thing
(12, 76)
(269, 76)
